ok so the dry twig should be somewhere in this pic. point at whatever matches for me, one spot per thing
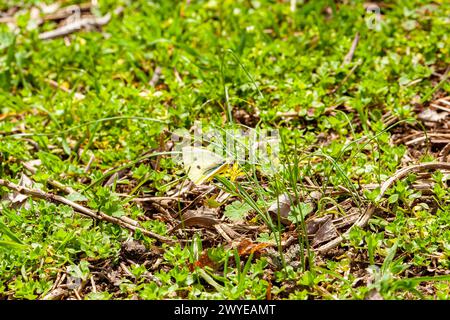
(364, 218)
(75, 26)
(79, 208)
(348, 58)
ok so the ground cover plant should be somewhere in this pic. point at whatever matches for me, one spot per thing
(97, 202)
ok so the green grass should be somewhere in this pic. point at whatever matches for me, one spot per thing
(219, 60)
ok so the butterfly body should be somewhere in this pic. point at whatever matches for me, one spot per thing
(201, 164)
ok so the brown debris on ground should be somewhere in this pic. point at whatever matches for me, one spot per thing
(431, 136)
(69, 19)
(186, 213)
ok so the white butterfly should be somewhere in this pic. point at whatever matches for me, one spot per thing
(201, 164)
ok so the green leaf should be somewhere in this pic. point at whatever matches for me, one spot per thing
(12, 245)
(266, 237)
(393, 198)
(5, 230)
(389, 258)
(237, 210)
(299, 212)
(76, 197)
(98, 296)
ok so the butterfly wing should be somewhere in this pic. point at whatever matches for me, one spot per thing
(201, 164)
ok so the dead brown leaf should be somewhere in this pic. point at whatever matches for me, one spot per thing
(326, 232)
(246, 247)
(202, 217)
(432, 115)
(281, 208)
